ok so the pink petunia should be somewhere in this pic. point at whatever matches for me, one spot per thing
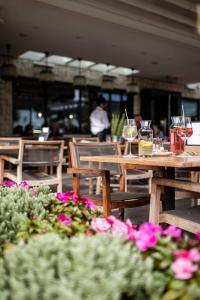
(64, 197)
(198, 235)
(172, 231)
(87, 202)
(183, 268)
(24, 184)
(145, 240)
(64, 219)
(150, 227)
(88, 232)
(111, 220)
(131, 230)
(120, 228)
(8, 183)
(100, 224)
(192, 254)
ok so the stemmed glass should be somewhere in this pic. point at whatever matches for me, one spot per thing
(129, 133)
(184, 131)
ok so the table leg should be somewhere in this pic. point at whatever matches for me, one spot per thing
(169, 203)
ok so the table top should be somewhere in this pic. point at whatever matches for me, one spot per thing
(167, 161)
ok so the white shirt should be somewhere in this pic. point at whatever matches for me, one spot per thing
(99, 120)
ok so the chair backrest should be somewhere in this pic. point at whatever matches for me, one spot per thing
(9, 145)
(94, 149)
(41, 153)
(85, 139)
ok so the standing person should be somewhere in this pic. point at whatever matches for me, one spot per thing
(99, 122)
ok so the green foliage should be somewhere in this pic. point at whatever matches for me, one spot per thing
(117, 124)
(97, 267)
(17, 206)
(25, 212)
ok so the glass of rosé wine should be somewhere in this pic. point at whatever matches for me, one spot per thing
(184, 131)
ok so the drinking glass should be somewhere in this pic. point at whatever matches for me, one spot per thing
(184, 131)
(129, 133)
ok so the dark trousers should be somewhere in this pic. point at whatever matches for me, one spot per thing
(101, 135)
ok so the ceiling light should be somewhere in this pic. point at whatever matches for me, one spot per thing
(46, 74)
(79, 80)
(132, 86)
(108, 81)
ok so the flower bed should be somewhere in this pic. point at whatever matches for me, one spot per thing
(104, 259)
(28, 211)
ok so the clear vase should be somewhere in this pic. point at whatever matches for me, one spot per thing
(145, 139)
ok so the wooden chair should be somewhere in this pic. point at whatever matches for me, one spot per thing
(136, 174)
(33, 158)
(109, 200)
(186, 218)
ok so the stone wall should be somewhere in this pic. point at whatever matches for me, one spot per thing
(5, 108)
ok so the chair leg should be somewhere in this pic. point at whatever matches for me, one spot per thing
(59, 187)
(121, 213)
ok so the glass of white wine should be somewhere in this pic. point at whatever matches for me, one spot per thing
(129, 133)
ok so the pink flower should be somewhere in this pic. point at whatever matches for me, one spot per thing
(64, 219)
(88, 232)
(100, 224)
(150, 227)
(183, 268)
(192, 254)
(173, 232)
(198, 235)
(111, 220)
(64, 197)
(8, 183)
(131, 230)
(24, 184)
(88, 202)
(145, 240)
(75, 198)
(120, 228)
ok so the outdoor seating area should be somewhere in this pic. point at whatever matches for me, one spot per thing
(99, 150)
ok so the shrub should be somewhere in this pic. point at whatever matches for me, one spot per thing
(25, 212)
(97, 267)
(17, 205)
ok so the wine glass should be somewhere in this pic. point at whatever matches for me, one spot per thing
(184, 131)
(129, 133)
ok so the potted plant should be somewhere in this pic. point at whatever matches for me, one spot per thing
(117, 123)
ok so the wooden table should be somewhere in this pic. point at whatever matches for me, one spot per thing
(169, 163)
